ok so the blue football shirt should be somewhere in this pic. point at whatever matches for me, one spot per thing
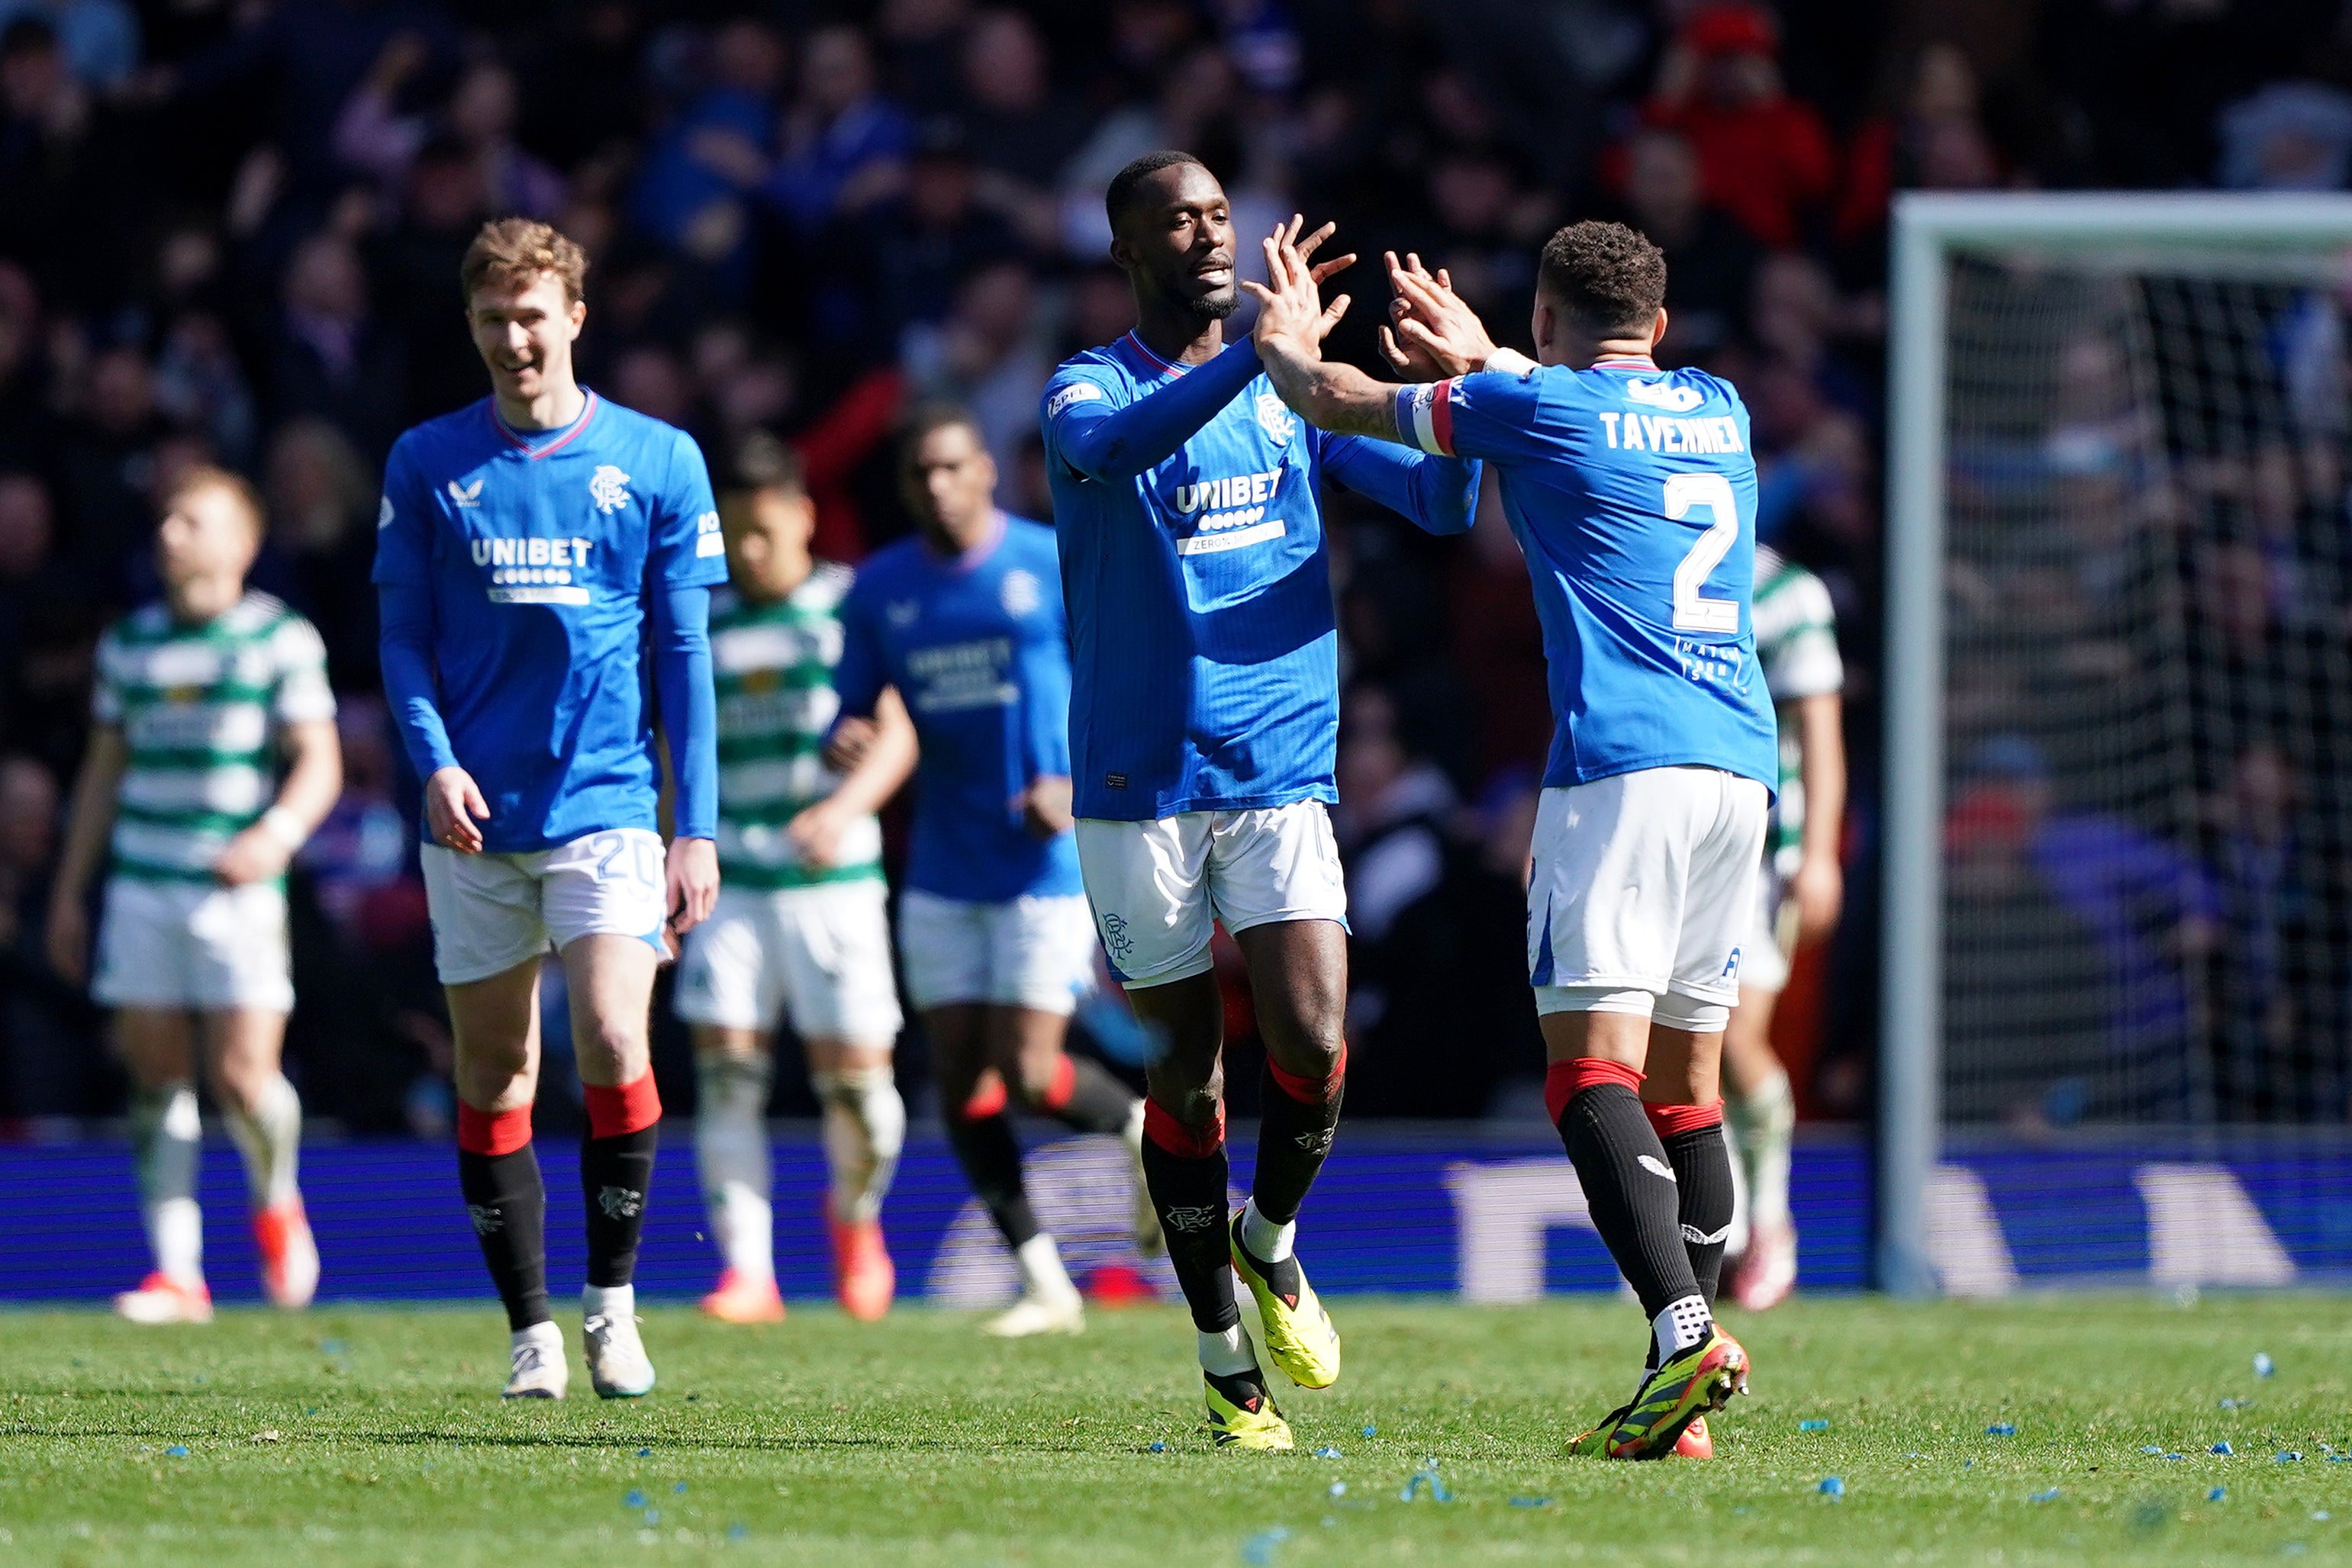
(977, 646)
(1203, 648)
(1633, 493)
(540, 549)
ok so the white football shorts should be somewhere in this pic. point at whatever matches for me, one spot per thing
(491, 912)
(1644, 885)
(194, 945)
(1031, 952)
(1763, 962)
(820, 953)
(1158, 888)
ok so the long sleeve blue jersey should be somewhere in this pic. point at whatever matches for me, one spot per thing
(541, 591)
(1203, 648)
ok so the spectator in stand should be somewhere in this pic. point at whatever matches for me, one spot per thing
(100, 38)
(442, 203)
(322, 504)
(46, 1066)
(690, 191)
(2289, 136)
(1019, 131)
(330, 356)
(986, 357)
(1710, 260)
(926, 244)
(1937, 141)
(374, 136)
(844, 145)
(65, 171)
(107, 459)
(1764, 157)
(922, 40)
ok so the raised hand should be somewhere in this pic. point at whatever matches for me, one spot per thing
(1432, 332)
(1291, 314)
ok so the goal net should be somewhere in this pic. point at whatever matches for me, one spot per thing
(2119, 689)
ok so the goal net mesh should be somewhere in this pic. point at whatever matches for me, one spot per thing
(2147, 697)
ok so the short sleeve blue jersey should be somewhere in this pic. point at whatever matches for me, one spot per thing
(1203, 647)
(1633, 493)
(540, 551)
(978, 649)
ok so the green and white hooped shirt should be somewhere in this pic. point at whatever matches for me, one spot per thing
(772, 664)
(1796, 647)
(203, 708)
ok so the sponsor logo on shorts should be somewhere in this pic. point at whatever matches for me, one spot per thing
(1194, 1217)
(621, 1202)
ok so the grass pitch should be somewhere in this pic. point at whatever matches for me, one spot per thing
(368, 1435)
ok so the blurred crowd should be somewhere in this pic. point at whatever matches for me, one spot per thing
(229, 232)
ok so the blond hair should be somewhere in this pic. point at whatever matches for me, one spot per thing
(513, 252)
(236, 485)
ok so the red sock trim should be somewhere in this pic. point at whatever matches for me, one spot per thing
(1564, 1080)
(492, 1131)
(1172, 1136)
(1064, 1084)
(1312, 1090)
(630, 1108)
(1671, 1119)
(987, 1100)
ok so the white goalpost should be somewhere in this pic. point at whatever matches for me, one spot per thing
(2106, 642)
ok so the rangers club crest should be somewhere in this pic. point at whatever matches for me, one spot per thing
(608, 487)
(1273, 417)
(1021, 593)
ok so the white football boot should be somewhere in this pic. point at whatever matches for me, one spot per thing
(538, 1371)
(617, 1363)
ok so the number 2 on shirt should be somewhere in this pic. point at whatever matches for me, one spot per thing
(1693, 611)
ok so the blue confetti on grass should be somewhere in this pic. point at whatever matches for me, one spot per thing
(679, 1489)
(1425, 1479)
(2150, 1449)
(2223, 1449)
(2002, 1429)
(2050, 1496)
(177, 1451)
(2217, 1494)
(1327, 1452)
(1258, 1550)
(1814, 1425)
(1158, 1447)
(1338, 1489)
(653, 1516)
(1371, 1430)
(1531, 1503)
(2176, 1456)
(738, 1533)
(2286, 1456)
(1831, 1485)
(331, 1347)
(2263, 1365)
(634, 1500)
(644, 1453)
(2321, 1517)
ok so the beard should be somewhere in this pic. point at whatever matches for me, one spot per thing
(1214, 307)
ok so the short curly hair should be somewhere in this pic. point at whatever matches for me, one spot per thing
(513, 252)
(1610, 279)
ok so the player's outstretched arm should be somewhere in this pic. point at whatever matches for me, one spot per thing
(314, 778)
(1437, 494)
(1105, 443)
(689, 707)
(885, 763)
(89, 822)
